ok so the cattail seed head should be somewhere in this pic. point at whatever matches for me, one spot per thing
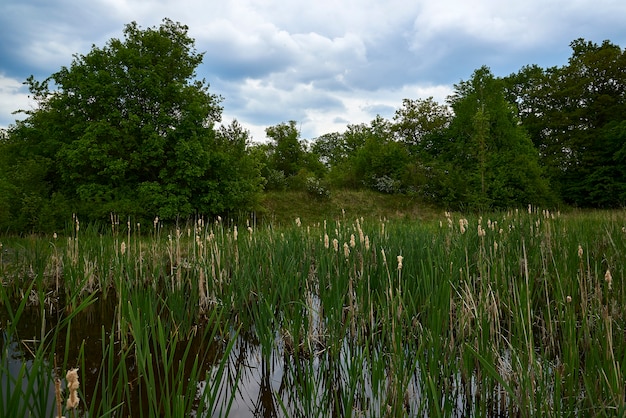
(72, 384)
(608, 278)
(580, 251)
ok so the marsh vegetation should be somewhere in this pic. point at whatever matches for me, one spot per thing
(517, 313)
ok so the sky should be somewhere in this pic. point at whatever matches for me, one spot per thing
(325, 63)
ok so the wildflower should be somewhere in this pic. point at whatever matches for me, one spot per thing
(54, 236)
(400, 258)
(298, 222)
(608, 278)
(72, 385)
(568, 299)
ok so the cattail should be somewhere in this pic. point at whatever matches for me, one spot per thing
(123, 248)
(54, 236)
(580, 251)
(495, 247)
(57, 393)
(335, 244)
(298, 222)
(481, 231)
(235, 233)
(346, 250)
(367, 242)
(72, 386)
(400, 258)
(608, 279)
(326, 241)
(352, 241)
(568, 299)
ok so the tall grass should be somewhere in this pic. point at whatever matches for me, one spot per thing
(511, 313)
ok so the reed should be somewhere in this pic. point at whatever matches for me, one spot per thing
(508, 313)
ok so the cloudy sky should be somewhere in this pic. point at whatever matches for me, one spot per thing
(324, 63)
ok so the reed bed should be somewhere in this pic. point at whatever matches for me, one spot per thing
(515, 313)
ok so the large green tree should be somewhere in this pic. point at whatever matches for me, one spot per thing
(128, 128)
(498, 163)
(574, 115)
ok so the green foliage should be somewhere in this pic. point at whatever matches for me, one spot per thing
(572, 114)
(128, 129)
(289, 161)
(491, 149)
(418, 121)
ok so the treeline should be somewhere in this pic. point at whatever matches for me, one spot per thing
(129, 129)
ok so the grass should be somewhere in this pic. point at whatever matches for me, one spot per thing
(402, 312)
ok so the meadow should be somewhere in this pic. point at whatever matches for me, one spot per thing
(517, 313)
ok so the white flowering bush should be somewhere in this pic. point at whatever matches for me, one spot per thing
(385, 184)
(316, 188)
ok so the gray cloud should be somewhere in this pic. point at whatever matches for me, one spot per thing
(324, 64)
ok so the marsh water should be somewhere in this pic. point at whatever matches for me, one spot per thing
(256, 382)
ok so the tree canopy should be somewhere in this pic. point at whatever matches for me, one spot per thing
(128, 128)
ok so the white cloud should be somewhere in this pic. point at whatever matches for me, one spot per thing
(321, 63)
(13, 97)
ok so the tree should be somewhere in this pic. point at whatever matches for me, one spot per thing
(570, 113)
(418, 120)
(291, 162)
(130, 129)
(286, 150)
(488, 145)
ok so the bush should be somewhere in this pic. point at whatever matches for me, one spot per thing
(316, 188)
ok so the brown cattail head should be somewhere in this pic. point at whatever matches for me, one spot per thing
(72, 385)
